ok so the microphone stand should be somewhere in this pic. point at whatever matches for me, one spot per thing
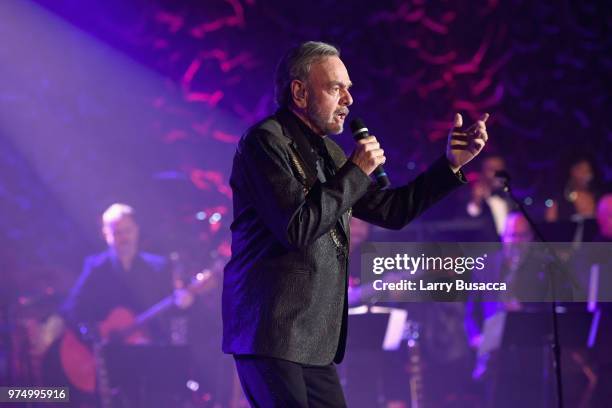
(555, 344)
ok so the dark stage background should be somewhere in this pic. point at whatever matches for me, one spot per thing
(143, 101)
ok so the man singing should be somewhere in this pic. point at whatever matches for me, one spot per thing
(294, 190)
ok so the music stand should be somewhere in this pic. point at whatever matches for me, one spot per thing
(376, 328)
(506, 330)
(148, 370)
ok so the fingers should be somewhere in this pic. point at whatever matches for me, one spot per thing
(478, 144)
(368, 155)
(372, 159)
(479, 124)
(377, 161)
(458, 120)
(477, 128)
(478, 133)
(366, 140)
(371, 146)
(465, 140)
(459, 140)
(482, 135)
(378, 152)
(370, 143)
(465, 144)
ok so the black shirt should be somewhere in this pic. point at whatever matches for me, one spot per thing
(104, 286)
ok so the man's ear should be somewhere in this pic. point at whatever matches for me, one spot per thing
(299, 93)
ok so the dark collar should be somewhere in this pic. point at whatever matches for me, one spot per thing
(309, 146)
(300, 142)
(315, 140)
(118, 266)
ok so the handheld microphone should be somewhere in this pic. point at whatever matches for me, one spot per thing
(360, 131)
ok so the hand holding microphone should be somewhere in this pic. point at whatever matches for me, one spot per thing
(368, 155)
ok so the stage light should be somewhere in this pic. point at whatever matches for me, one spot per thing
(193, 385)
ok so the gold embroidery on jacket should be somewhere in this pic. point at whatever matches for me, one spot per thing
(299, 168)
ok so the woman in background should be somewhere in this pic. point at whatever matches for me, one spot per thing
(580, 193)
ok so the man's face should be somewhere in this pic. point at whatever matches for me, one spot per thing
(122, 235)
(604, 216)
(328, 96)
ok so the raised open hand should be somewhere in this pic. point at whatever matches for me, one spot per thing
(464, 145)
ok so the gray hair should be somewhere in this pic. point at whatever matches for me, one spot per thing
(295, 64)
(115, 212)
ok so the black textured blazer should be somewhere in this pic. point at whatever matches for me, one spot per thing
(285, 287)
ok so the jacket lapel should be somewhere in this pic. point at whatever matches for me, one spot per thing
(339, 159)
(302, 148)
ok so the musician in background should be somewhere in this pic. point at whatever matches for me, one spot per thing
(577, 199)
(596, 256)
(116, 286)
(121, 276)
(501, 373)
(488, 201)
(507, 266)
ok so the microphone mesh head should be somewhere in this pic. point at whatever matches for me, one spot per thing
(357, 124)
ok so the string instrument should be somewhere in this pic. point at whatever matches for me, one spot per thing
(84, 365)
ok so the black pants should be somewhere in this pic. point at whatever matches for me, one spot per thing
(274, 383)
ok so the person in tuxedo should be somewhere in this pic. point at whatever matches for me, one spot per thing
(488, 201)
(285, 287)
